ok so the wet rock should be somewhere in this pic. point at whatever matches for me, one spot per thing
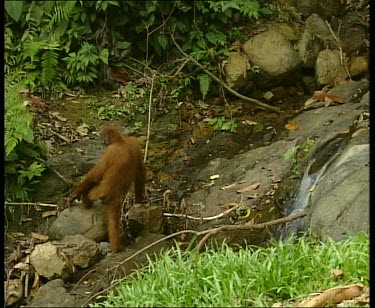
(340, 203)
(328, 68)
(278, 60)
(91, 223)
(48, 262)
(54, 294)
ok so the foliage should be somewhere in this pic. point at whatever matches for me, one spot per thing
(21, 151)
(253, 276)
(133, 98)
(70, 43)
(296, 153)
(219, 123)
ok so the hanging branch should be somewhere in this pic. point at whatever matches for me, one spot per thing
(245, 98)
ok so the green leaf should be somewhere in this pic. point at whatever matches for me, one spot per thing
(104, 55)
(204, 84)
(163, 41)
(211, 37)
(123, 45)
(14, 9)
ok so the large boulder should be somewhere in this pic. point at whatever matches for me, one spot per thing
(274, 54)
(91, 223)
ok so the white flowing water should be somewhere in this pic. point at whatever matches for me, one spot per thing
(302, 196)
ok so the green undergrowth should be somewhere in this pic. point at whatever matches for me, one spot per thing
(284, 272)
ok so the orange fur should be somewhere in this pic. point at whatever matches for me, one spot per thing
(120, 166)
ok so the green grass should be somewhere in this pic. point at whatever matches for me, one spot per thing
(254, 276)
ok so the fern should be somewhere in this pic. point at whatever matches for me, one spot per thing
(49, 67)
(61, 11)
(32, 48)
(17, 117)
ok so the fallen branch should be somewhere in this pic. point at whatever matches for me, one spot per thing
(30, 203)
(245, 98)
(212, 232)
(235, 206)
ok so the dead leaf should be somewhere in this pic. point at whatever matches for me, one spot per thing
(337, 274)
(83, 130)
(334, 295)
(49, 213)
(41, 237)
(310, 101)
(247, 215)
(323, 95)
(16, 234)
(312, 188)
(249, 188)
(56, 114)
(25, 219)
(248, 122)
(292, 125)
(225, 187)
(214, 177)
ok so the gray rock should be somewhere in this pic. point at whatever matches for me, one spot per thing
(81, 251)
(91, 223)
(328, 67)
(278, 60)
(47, 261)
(340, 203)
(54, 294)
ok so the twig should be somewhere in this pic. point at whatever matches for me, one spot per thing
(61, 136)
(235, 206)
(343, 63)
(149, 117)
(247, 227)
(245, 98)
(31, 203)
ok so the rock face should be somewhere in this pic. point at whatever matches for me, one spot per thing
(276, 57)
(266, 165)
(340, 203)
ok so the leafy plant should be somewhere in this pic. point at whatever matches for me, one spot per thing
(21, 151)
(219, 123)
(296, 153)
(82, 66)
